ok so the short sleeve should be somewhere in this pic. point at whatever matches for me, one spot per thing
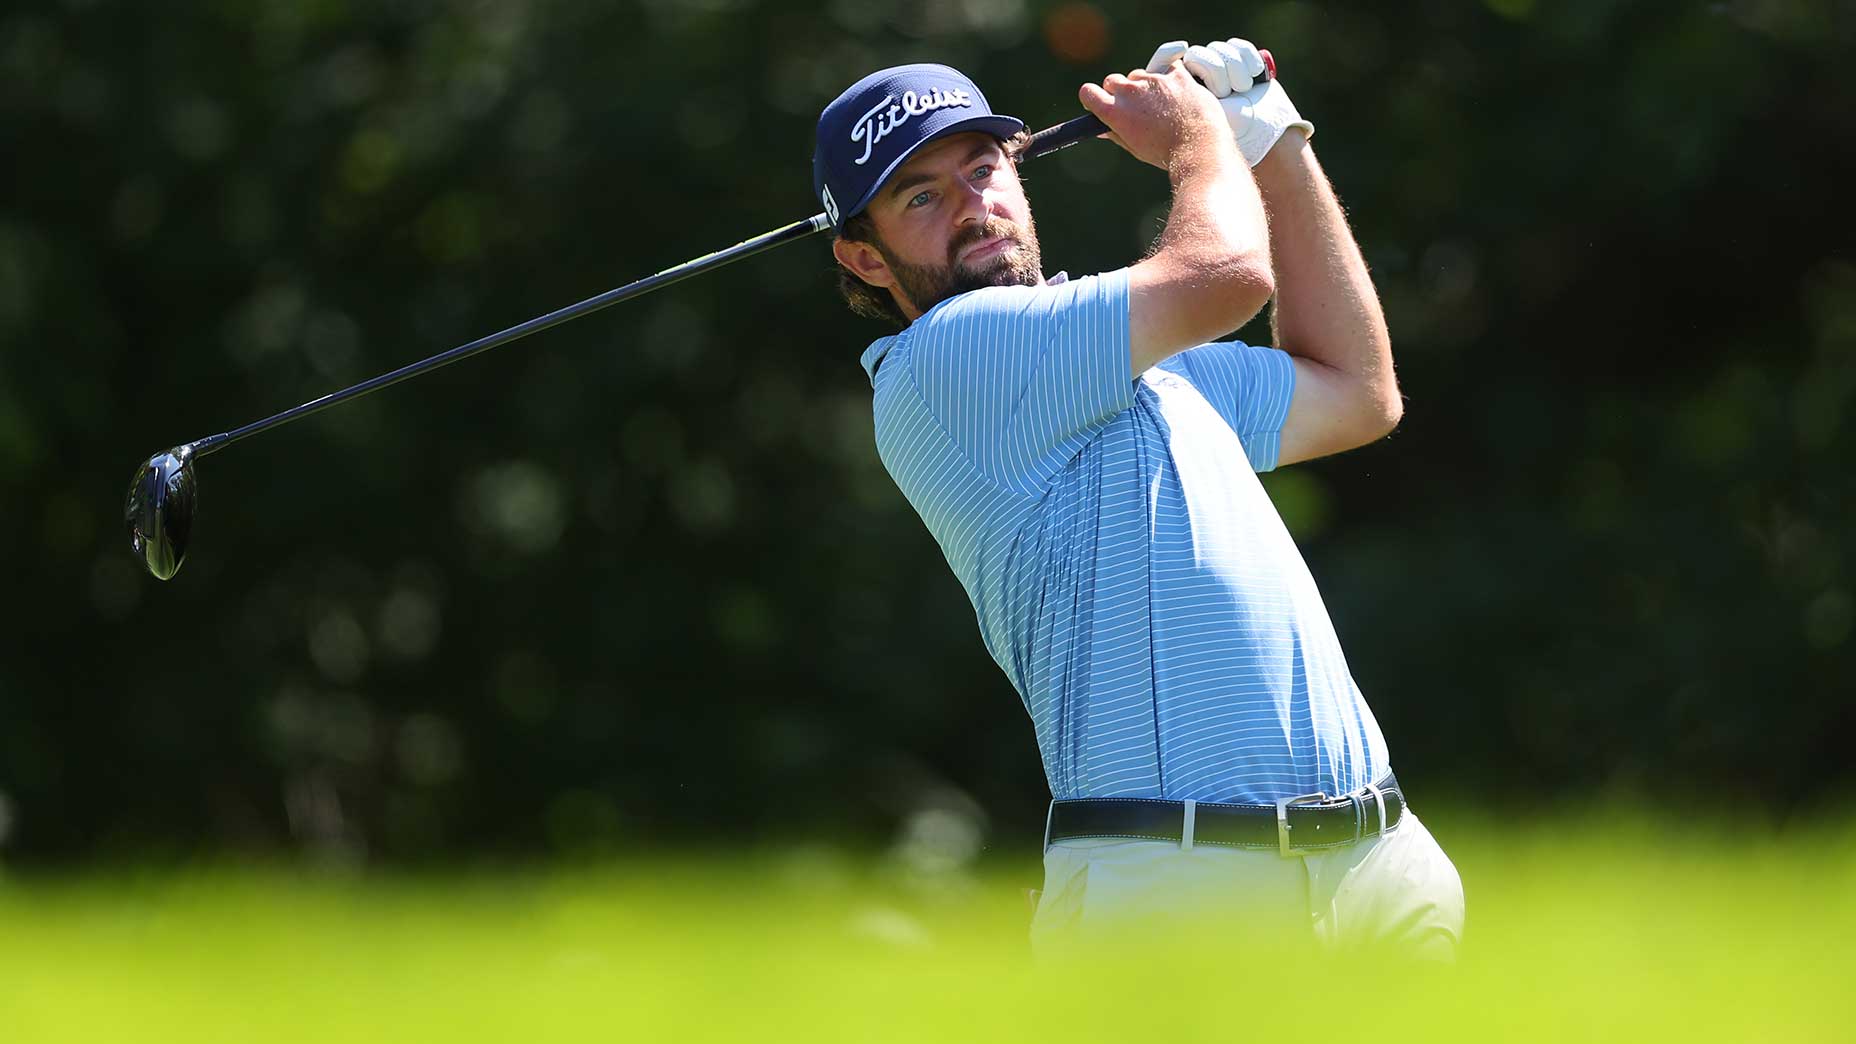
(1250, 386)
(1021, 378)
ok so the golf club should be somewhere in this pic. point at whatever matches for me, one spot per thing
(163, 495)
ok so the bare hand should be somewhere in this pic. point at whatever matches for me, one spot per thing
(1157, 117)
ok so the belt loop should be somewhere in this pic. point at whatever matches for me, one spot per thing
(1359, 816)
(1186, 827)
(1049, 815)
(1379, 798)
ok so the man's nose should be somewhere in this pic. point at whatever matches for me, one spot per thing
(974, 206)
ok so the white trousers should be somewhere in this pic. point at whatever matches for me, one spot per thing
(1397, 890)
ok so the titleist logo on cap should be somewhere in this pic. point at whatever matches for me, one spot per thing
(891, 112)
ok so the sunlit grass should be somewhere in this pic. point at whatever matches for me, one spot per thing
(1575, 932)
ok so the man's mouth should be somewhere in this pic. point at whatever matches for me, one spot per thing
(985, 248)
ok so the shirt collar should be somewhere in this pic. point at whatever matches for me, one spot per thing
(873, 355)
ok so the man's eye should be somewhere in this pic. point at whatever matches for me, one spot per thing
(984, 171)
(920, 200)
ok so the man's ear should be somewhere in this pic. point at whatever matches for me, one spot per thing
(865, 262)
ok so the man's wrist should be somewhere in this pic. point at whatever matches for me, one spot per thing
(1210, 153)
(1285, 155)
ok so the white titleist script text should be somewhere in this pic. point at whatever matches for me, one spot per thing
(890, 113)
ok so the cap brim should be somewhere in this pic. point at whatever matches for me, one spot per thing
(995, 125)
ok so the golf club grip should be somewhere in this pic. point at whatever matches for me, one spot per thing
(1065, 134)
(1089, 125)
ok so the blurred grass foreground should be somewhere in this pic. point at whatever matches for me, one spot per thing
(1575, 932)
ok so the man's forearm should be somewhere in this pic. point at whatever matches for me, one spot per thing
(1209, 272)
(1216, 215)
(1326, 309)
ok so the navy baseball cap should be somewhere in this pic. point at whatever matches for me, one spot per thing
(876, 125)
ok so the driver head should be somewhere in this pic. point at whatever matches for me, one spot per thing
(159, 513)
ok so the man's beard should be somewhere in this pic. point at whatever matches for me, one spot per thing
(1017, 265)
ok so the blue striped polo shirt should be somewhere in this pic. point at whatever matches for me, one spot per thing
(1128, 571)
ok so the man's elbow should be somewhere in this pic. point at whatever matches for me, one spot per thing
(1384, 409)
(1248, 283)
(1373, 410)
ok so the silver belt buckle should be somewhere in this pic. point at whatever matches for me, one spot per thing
(1282, 821)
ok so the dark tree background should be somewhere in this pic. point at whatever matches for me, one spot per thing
(642, 580)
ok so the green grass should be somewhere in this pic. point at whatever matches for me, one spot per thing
(1624, 933)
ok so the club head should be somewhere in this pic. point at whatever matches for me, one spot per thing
(159, 513)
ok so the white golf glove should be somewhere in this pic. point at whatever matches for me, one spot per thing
(1259, 112)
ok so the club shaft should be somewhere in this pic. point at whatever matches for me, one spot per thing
(787, 234)
(1043, 143)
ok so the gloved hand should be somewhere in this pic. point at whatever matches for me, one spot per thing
(1258, 113)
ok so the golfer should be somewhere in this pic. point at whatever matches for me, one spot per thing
(1085, 451)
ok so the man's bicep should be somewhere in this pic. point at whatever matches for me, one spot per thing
(1165, 316)
(1324, 413)
(1174, 306)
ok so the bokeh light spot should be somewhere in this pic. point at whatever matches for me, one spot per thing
(339, 646)
(370, 162)
(520, 504)
(409, 624)
(1301, 499)
(1077, 33)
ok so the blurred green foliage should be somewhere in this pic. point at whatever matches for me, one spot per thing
(1586, 929)
(642, 578)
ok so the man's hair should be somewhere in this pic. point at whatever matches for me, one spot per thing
(875, 302)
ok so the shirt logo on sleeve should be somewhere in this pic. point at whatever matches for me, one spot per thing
(892, 112)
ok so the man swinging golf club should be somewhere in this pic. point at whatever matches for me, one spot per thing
(1085, 452)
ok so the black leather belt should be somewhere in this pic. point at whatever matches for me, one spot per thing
(1293, 826)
